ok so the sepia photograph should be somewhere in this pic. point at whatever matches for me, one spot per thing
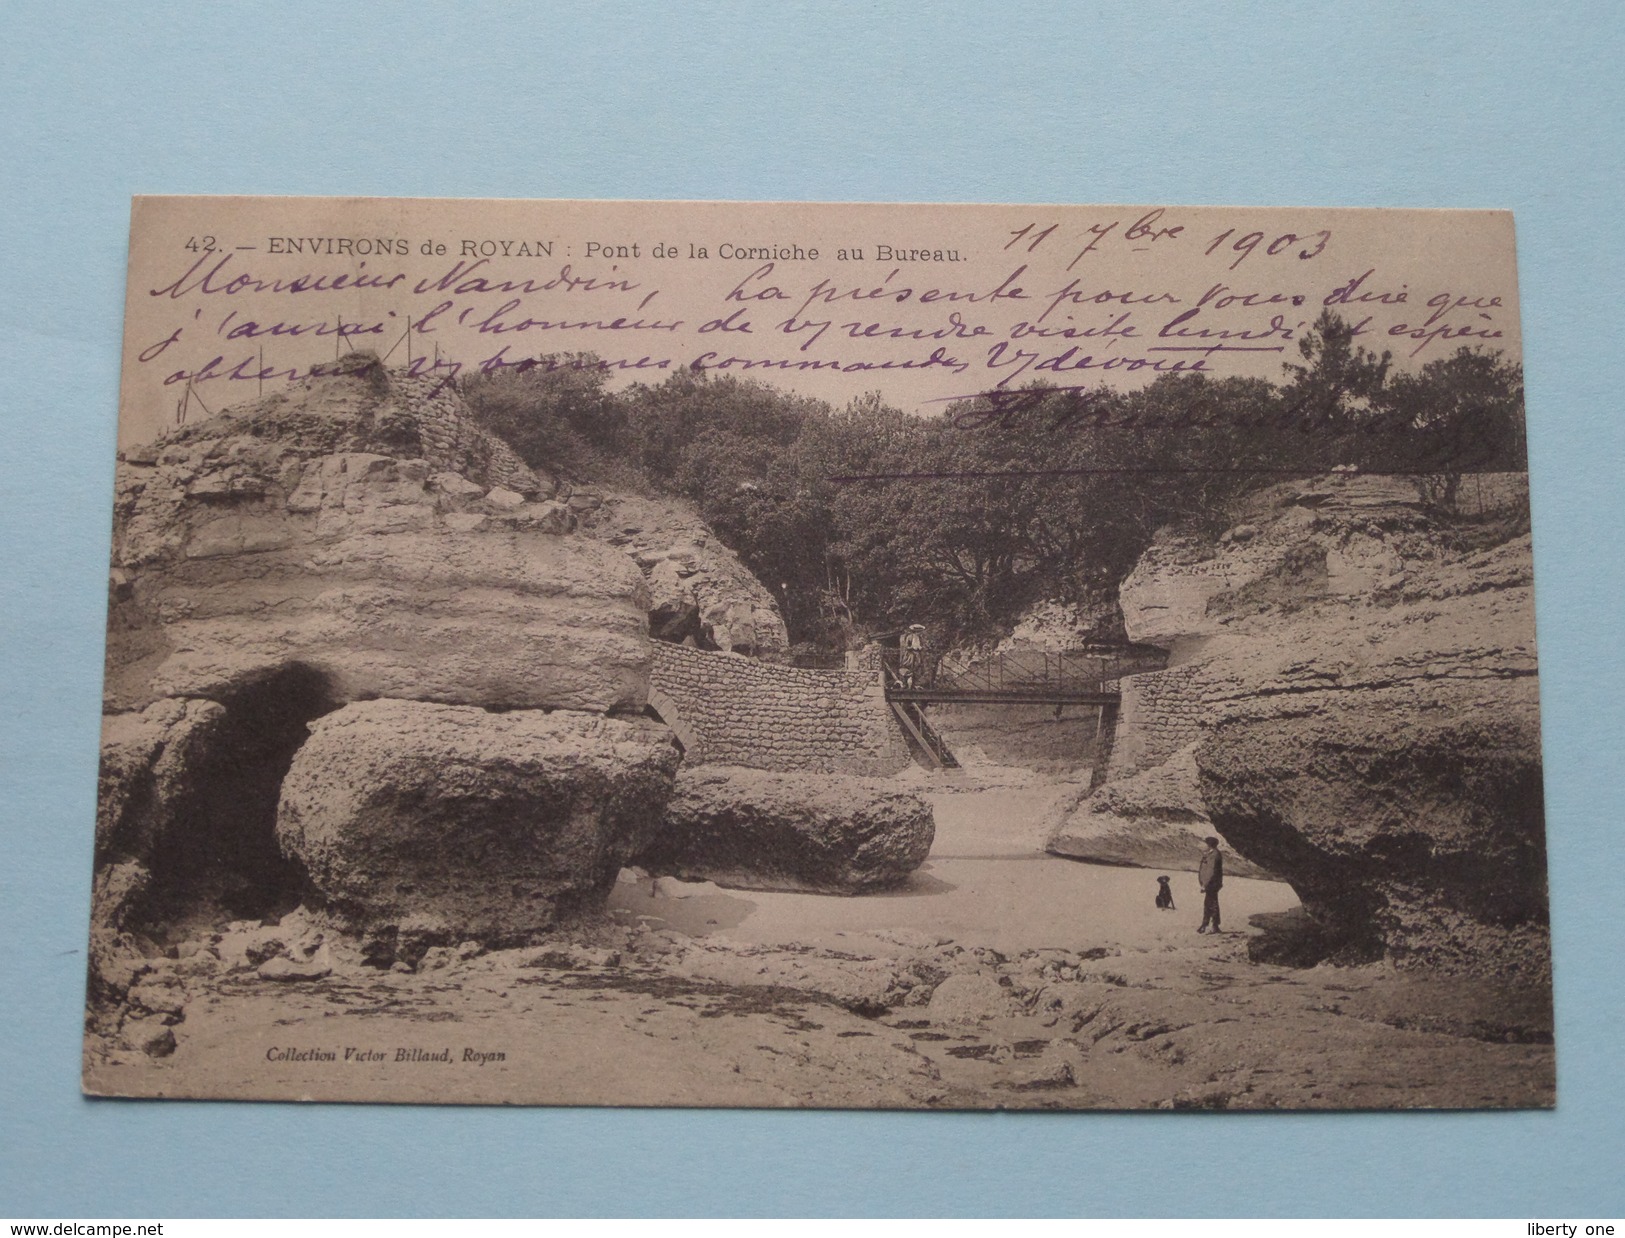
(821, 656)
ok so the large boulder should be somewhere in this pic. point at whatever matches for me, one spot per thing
(820, 833)
(1406, 827)
(1153, 819)
(467, 823)
(264, 538)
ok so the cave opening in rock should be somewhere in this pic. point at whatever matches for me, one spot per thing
(681, 625)
(221, 860)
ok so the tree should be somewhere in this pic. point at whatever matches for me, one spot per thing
(555, 411)
(1341, 380)
(971, 515)
(667, 417)
(1465, 412)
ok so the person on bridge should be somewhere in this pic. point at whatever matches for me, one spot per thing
(1210, 876)
(913, 645)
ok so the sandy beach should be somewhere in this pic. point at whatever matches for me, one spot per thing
(988, 881)
(999, 976)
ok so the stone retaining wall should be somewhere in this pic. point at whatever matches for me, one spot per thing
(450, 437)
(1161, 712)
(730, 709)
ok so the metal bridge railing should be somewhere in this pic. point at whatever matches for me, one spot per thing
(1014, 674)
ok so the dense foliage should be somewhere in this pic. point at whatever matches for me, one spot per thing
(867, 518)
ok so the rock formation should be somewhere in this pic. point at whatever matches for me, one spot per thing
(1352, 683)
(185, 809)
(1152, 819)
(269, 536)
(148, 763)
(822, 833)
(482, 825)
(355, 536)
(699, 590)
(1412, 825)
(372, 689)
(1060, 627)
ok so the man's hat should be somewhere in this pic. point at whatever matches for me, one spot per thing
(1211, 841)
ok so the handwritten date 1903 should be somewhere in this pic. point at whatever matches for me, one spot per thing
(1149, 229)
(1245, 245)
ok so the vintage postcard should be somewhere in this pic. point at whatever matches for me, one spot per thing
(865, 656)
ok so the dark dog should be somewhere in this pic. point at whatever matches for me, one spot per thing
(1165, 895)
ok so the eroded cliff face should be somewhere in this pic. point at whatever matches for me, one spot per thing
(362, 527)
(355, 538)
(1356, 690)
(698, 589)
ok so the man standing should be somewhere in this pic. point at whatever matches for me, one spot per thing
(913, 659)
(1210, 876)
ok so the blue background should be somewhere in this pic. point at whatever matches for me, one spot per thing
(1498, 104)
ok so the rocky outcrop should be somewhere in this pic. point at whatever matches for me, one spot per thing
(244, 545)
(1356, 688)
(187, 800)
(357, 405)
(464, 823)
(827, 834)
(149, 796)
(1061, 627)
(698, 589)
(1413, 827)
(1350, 538)
(1344, 536)
(355, 536)
(1155, 819)
(149, 772)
